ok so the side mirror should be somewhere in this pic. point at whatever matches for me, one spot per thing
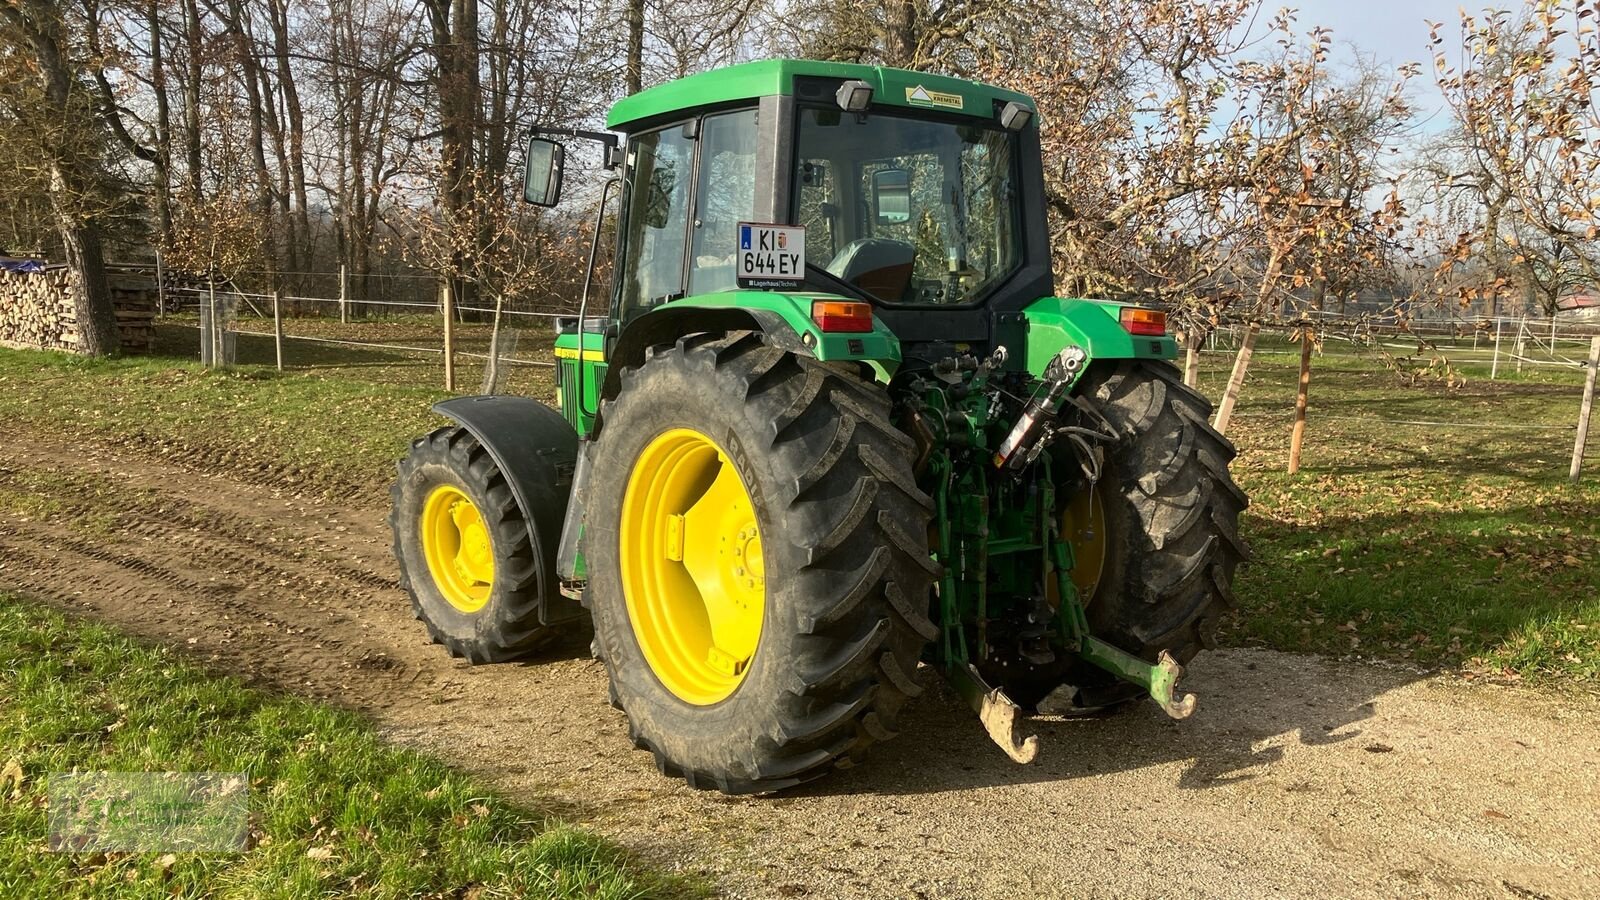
(891, 196)
(541, 176)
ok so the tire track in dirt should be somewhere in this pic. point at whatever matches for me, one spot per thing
(1296, 775)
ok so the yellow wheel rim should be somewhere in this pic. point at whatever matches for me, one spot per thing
(693, 574)
(1083, 524)
(455, 541)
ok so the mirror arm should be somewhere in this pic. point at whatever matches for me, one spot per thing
(588, 279)
(609, 140)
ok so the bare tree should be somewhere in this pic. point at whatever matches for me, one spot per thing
(59, 114)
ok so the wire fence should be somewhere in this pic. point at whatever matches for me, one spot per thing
(304, 332)
(332, 332)
(1445, 350)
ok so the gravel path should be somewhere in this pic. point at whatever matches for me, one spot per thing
(1296, 776)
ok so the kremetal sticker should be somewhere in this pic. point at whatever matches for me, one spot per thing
(921, 96)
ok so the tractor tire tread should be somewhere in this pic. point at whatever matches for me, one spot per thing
(515, 631)
(851, 505)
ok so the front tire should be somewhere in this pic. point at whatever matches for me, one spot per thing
(466, 559)
(846, 571)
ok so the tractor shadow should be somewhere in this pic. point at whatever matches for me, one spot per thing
(1253, 705)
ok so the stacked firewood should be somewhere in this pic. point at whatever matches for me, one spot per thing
(36, 311)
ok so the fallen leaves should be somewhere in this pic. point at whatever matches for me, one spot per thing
(11, 775)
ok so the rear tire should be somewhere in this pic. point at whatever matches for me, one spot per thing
(1171, 516)
(506, 626)
(847, 569)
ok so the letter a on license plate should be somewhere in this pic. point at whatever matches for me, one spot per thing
(771, 256)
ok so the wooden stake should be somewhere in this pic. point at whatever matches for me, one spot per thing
(1494, 368)
(1191, 360)
(449, 336)
(1241, 364)
(216, 332)
(161, 287)
(344, 296)
(1585, 410)
(1298, 436)
(277, 328)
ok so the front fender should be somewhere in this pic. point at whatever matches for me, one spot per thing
(1055, 322)
(536, 450)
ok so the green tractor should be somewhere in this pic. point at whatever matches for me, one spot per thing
(830, 422)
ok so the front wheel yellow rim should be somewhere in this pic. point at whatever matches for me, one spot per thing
(456, 543)
(693, 571)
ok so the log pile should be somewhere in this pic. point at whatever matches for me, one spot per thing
(36, 310)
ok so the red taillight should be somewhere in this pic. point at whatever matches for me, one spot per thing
(841, 315)
(1150, 322)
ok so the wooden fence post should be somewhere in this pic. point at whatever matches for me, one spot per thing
(1241, 364)
(1522, 342)
(215, 334)
(277, 327)
(344, 296)
(1298, 436)
(1494, 368)
(1585, 410)
(161, 286)
(449, 335)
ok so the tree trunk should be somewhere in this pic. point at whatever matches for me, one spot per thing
(1297, 436)
(1241, 365)
(455, 34)
(635, 66)
(296, 123)
(900, 34)
(191, 97)
(1191, 362)
(91, 295)
(251, 76)
(158, 81)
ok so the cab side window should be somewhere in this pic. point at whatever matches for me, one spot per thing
(655, 218)
(725, 197)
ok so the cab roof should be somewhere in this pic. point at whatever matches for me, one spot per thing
(747, 81)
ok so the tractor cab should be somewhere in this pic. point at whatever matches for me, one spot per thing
(919, 195)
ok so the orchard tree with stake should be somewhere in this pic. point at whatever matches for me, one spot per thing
(1518, 174)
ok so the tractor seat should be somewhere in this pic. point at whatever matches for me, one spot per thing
(879, 266)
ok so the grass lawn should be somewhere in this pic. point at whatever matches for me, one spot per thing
(1445, 545)
(333, 810)
(1461, 545)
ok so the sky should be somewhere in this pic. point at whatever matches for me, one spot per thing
(1395, 31)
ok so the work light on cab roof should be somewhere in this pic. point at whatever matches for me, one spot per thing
(825, 421)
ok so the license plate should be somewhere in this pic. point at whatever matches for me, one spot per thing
(771, 256)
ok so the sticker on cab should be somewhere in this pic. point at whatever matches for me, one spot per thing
(771, 256)
(921, 96)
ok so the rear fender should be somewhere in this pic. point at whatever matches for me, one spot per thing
(537, 451)
(1054, 323)
(785, 319)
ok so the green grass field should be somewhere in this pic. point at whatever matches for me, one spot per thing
(1462, 546)
(333, 810)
